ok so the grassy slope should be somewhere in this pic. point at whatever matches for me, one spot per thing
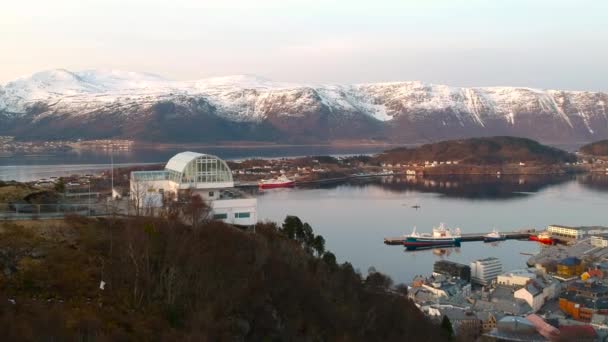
(489, 151)
(168, 282)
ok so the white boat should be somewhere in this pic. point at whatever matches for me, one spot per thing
(494, 236)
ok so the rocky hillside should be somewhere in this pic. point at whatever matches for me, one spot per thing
(598, 148)
(60, 104)
(480, 151)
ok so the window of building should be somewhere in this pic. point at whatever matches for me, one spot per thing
(211, 193)
(220, 216)
(242, 215)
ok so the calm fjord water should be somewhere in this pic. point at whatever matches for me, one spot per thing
(355, 217)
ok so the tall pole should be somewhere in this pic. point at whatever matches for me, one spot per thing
(112, 161)
(89, 196)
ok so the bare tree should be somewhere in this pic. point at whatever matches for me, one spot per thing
(137, 194)
(171, 207)
(195, 209)
(144, 198)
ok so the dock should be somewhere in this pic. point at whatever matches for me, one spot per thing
(518, 235)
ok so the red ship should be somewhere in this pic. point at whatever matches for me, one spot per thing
(280, 182)
(543, 238)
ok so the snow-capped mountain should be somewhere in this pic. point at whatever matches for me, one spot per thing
(100, 104)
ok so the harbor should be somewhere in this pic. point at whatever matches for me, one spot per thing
(523, 234)
(561, 289)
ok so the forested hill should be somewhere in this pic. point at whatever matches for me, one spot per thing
(598, 149)
(165, 281)
(480, 151)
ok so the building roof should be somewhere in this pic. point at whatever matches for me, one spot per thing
(562, 226)
(148, 175)
(519, 273)
(179, 161)
(451, 263)
(542, 327)
(570, 261)
(458, 314)
(200, 171)
(534, 288)
(589, 286)
(595, 304)
(486, 259)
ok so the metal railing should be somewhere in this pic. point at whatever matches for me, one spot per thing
(13, 211)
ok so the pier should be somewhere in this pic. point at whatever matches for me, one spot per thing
(517, 235)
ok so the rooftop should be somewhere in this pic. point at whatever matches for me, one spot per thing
(570, 261)
(179, 161)
(521, 273)
(489, 259)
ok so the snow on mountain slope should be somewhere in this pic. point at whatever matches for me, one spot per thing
(116, 80)
(409, 106)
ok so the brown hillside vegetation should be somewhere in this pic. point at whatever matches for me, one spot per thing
(598, 149)
(478, 151)
(167, 281)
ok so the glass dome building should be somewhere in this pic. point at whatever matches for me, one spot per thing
(195, 174)
(200, 171)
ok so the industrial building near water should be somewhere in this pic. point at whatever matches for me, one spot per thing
(191, 173)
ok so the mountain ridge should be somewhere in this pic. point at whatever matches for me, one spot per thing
(248, 106)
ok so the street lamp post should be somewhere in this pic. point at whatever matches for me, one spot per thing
(89, 195)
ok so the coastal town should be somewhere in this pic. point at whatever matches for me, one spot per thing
(561, 294)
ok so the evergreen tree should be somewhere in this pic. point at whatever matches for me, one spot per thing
(446, 326)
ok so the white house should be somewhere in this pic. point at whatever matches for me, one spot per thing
(533, 294)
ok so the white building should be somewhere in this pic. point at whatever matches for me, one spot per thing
(515, 278)
(485, 271)
(599, 241)
(190, 173)
(532, 293)
(565, 231)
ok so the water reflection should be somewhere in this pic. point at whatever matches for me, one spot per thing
(355, 216)
(594, 181)
(463, 186)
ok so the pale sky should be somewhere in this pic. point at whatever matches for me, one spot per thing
(537, 43)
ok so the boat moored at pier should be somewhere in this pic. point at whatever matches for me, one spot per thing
(280, 182)
(440, 237)
(544, 238)
(494, 236)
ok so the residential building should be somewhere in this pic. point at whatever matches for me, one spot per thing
(488, 320)
(485, 271)
(533, 294)
(188, 174)
(515, 278)
(599, 241)
(582, 300)
(570, 267)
